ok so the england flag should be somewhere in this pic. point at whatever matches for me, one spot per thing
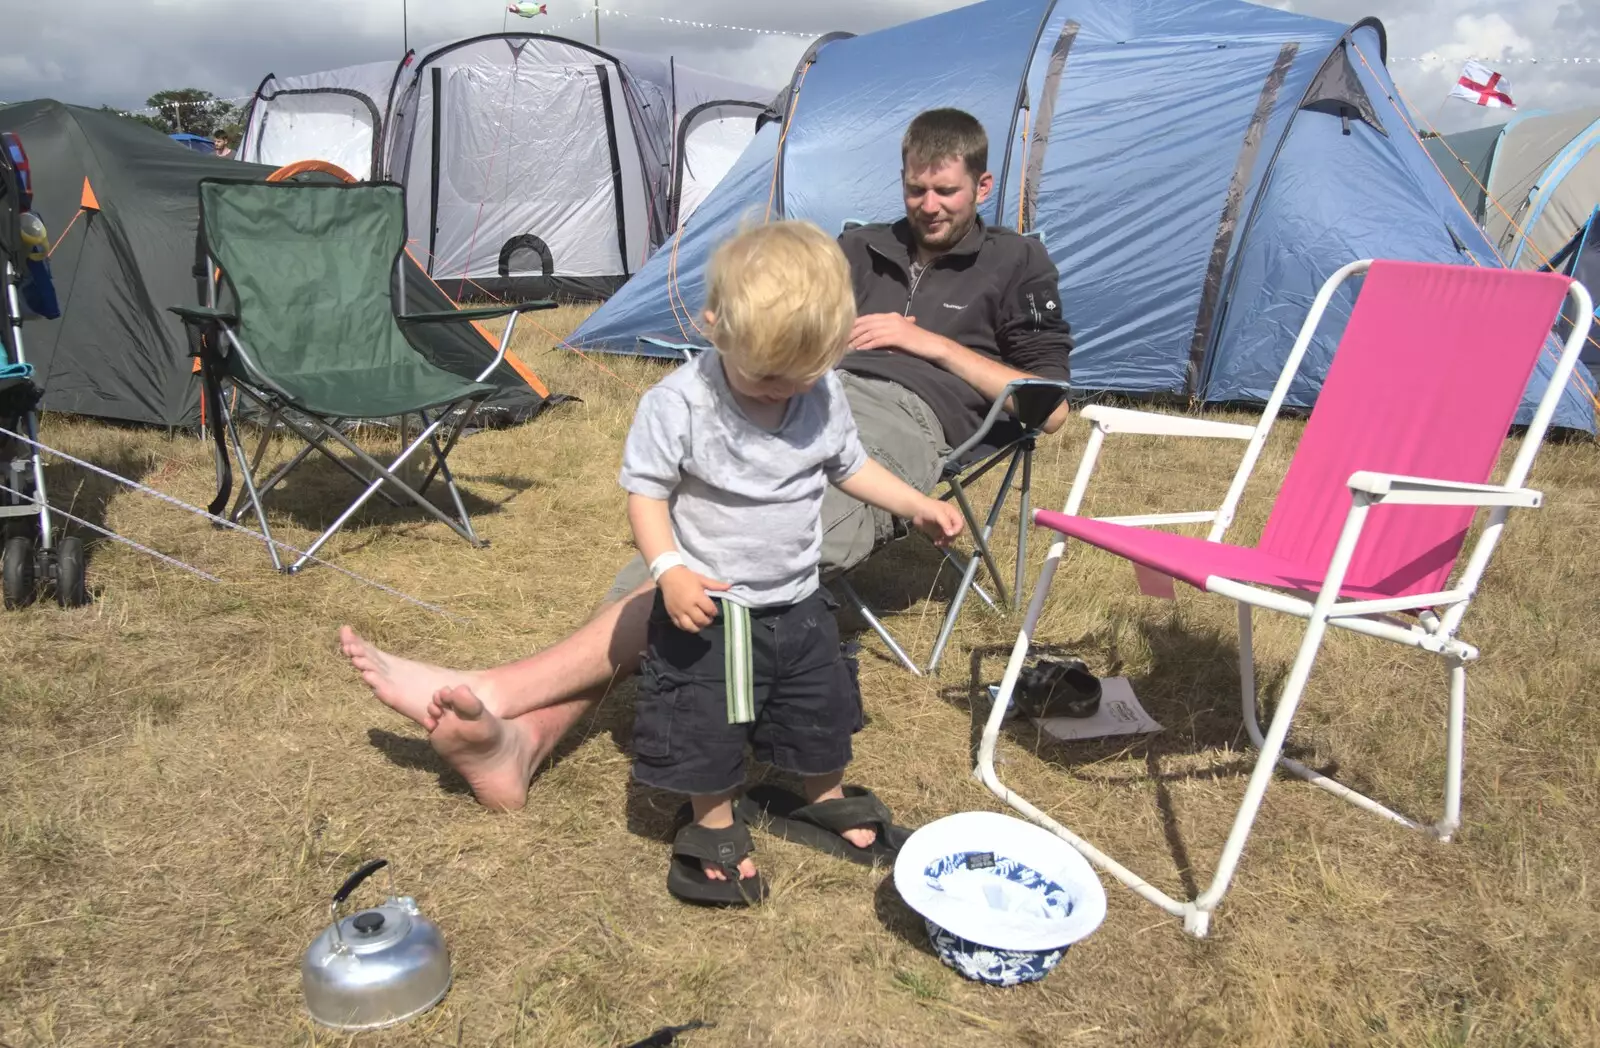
(1482, 86)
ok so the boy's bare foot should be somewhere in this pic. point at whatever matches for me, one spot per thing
(495, 756)
(747, 869)
(404, 686)
(716, 813)
(860, 836)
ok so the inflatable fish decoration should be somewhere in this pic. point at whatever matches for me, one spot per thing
(527, 10)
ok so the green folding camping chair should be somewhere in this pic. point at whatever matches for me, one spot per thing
(314, 337)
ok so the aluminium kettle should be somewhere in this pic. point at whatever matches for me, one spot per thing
(375, 968)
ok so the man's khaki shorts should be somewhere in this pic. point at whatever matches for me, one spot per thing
(901, 432)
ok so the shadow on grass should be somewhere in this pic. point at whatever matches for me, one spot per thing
(899, 919)
(317, 491)
(414, 753)
(1191, 688)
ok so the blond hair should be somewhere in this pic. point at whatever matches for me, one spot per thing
(780, 300)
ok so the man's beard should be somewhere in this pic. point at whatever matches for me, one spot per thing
(946, 238)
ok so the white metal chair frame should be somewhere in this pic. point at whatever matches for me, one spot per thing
(1439, 615)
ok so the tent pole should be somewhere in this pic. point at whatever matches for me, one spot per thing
(597, 23)
(405, 28)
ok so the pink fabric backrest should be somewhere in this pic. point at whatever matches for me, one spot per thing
(1426, 382)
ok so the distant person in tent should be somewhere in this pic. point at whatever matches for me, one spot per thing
(949, 308)
(219, 144)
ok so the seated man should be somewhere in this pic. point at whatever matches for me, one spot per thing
(950, 310)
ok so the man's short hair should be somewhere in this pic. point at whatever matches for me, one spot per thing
(938, 135)
(783, 300)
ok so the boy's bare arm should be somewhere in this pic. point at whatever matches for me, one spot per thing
(652, 526)
(683, 591)
(876, 486)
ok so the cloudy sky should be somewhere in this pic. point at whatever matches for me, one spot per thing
(120, 53)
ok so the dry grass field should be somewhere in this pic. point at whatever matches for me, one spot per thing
(190, 770)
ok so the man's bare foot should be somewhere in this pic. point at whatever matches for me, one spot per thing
(404, 686)
(495, 756)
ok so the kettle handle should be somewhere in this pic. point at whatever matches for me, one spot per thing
(350, 884)
(354, 880)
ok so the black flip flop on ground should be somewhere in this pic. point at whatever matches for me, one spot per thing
(695, 846)
(786, 815)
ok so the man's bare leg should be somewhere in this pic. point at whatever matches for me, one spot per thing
(498, 757)
(550, 692)
(605, 648)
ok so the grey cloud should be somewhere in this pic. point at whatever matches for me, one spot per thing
(121, 53)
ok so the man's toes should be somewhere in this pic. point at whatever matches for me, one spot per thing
(747, 868)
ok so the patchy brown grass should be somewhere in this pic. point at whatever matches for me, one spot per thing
(190, 770)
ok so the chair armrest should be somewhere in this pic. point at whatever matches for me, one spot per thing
(1122, 420)
(1059, 390)
(1391, 489)
(479, 313)
(204, 315)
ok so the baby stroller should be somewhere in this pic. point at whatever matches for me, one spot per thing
(33, 554)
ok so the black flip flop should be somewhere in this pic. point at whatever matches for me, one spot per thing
(695, 846)
(819, 825)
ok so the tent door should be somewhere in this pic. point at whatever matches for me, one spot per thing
(524, 156)
(336, 125)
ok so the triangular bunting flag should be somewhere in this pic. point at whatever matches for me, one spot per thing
(89, 203)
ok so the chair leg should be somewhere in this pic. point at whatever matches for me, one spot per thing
(1446, 828)
(981, 539)
(1451, 820)
(249, 481)
(442, 467)
(384, 475)
(877, 627)
(1024, 524)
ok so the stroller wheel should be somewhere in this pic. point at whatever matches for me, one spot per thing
(18, 571)
(71, 590)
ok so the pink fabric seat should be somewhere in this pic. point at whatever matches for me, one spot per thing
(1425, 383)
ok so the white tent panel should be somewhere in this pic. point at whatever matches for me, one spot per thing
(712, 140)
(322, 126)
(335, 116)
(520, 154)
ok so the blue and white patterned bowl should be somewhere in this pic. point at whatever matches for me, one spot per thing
(1003, 899)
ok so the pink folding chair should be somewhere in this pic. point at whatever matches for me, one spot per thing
(1366, 529)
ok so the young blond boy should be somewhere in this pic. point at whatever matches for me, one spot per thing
(726, 465)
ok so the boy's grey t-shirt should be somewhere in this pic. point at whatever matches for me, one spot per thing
(746, 502)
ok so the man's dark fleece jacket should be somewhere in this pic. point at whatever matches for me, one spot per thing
(996, 292)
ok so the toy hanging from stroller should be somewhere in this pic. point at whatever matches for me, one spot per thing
(32, 552)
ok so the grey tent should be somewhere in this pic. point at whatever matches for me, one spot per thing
(534, 165)
(121, 204)
(1542, 174)
(335, 116)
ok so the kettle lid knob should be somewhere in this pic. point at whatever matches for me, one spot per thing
(367, 922)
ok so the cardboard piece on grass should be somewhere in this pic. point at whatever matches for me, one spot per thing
(1120, 714)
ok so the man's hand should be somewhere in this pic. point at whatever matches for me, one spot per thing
(688, 604)
(938, 520)
(893, 331)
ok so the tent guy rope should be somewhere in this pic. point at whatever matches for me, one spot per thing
(197, 511)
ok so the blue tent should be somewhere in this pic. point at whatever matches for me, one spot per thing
(1196, 168)
(198, 143)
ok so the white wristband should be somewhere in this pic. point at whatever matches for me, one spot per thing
(664, 563)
